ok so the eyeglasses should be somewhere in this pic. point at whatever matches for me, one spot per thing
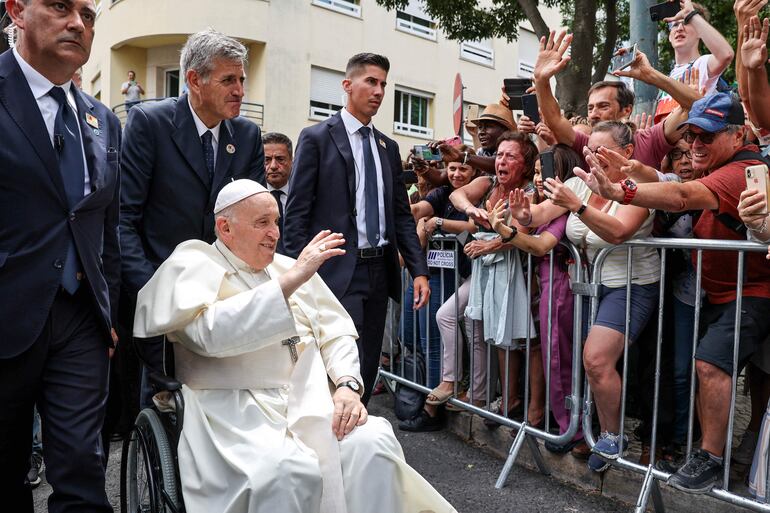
(594, 151)
(704, 137)
(674, 24)
(678, 154)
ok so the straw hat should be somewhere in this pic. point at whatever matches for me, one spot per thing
(499, 114)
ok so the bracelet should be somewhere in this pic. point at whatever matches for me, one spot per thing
(465, 158)
(528, 222)
(508, 239)
(582, 209)
(690, 16)
(761, 228)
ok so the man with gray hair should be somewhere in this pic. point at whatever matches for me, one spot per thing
(177, 154)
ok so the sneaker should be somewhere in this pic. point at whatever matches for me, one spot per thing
(605, 450)
(699, 475)
(744, 453)
(422, 422)
(35, 466)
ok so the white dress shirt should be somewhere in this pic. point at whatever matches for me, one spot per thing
(49, 107)
(351, 126)
(202, 129)
(284, 196)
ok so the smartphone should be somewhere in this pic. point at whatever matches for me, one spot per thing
(425, 152)
(471, 113)
(515, 88)
(410, 177)
(546, 167)
(624, 60)
(663, 10)
(529, 106)
(757, 178)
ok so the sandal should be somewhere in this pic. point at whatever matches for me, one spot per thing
(439, 397)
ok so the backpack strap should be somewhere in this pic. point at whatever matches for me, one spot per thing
(726, 219)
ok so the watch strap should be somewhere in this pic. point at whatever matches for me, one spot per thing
(582, 209)
(509, 238)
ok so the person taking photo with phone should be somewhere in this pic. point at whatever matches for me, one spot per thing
(686, 30)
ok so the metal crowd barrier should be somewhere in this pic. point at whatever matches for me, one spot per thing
(445, 250)
(652, 474)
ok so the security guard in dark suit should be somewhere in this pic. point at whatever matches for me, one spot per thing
(59, 257)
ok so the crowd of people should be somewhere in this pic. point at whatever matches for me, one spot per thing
(258, 271)
(677, 172)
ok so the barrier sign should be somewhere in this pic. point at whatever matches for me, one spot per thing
(441, 258)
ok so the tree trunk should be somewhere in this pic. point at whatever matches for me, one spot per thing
(611, 38)
(574, 81)
(535, 18)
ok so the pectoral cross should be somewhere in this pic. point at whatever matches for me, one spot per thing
(291, 343)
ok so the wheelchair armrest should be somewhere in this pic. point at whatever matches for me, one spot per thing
(160, 382)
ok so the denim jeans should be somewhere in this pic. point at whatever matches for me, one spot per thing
(684, 323)
(426, 323)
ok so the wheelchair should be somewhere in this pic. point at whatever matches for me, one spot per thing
(149, 470)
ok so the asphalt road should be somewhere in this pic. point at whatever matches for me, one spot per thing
(462, 473)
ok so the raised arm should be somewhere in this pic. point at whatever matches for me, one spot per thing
(640, 69)
(744, 10)
(721, 52)
(754, 55)
(550, 61)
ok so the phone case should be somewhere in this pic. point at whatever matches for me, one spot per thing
(758, 177)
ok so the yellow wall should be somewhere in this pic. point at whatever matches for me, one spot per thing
(285, 38)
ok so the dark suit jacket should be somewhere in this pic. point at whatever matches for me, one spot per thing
(322, 196)
(166, 197)
(36, 223)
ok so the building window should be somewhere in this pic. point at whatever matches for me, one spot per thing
(349, 7)
(480, 52)
(414, 20)
(171, 82)
(528, 48)
(326, 94)
(412, 113)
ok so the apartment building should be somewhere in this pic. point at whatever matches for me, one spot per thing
(297, 55)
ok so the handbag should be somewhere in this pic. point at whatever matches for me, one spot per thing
(407, 401)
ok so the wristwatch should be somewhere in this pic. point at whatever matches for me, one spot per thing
(352, 384)
(507, 239)
(629, 188)
(582, 209)
(439, 223)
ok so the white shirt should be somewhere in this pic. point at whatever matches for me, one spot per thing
(49, 107)
(351, 126)
(202, 129)
(284, 196)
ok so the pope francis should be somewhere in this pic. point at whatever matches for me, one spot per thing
(273, 420)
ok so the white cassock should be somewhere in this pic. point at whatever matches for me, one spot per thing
(257, 433)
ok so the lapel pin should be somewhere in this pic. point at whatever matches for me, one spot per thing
(92, 121)
(97, 132)
(382, 143)
(230, 149)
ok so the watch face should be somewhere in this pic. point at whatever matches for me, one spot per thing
(354, 385)
(630, 184)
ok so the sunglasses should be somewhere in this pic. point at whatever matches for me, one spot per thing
(704, 137)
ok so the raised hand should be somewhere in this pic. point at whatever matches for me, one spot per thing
(745, 9)
(526, 125)
(754, 47)
(642, 121)
(638, 68)
(478, 216)
(752, 208)
(597, 180)
(561, 195)
(495, 214)
(551, 59)
(519, 205)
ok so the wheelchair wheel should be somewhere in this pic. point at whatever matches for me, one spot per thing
(148, 482)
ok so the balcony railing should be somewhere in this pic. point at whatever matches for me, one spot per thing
(249, 110)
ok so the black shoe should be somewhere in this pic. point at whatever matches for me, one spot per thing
(422, 422)
(35, 465)
(561, 449)
(698, 475)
